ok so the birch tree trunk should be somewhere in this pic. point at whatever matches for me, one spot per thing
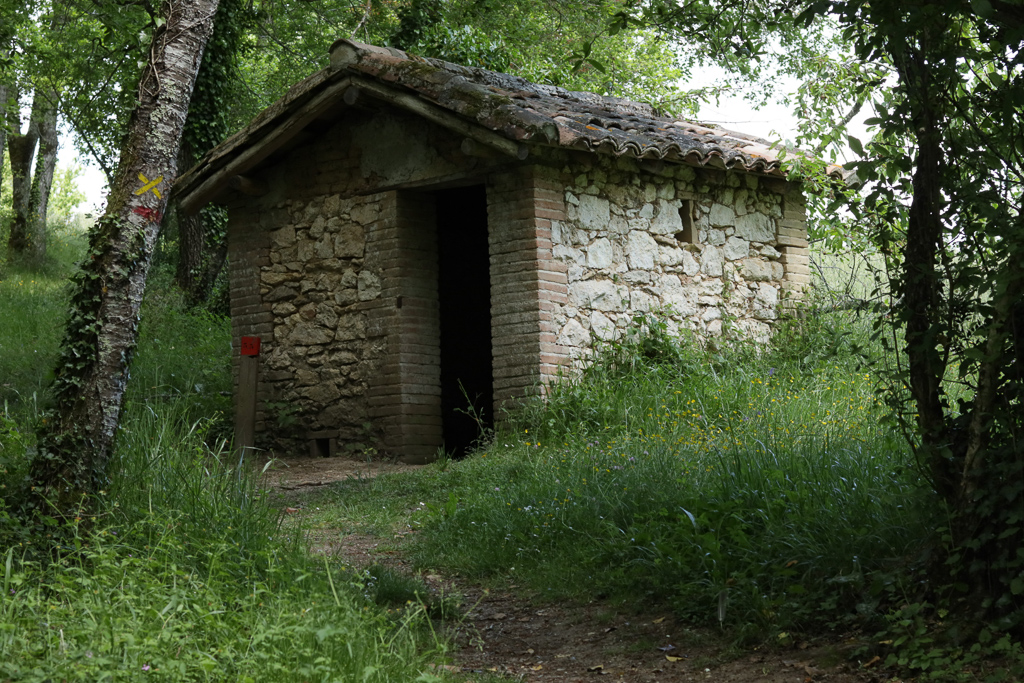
(101, 331)
(42, 181)
(22, 150)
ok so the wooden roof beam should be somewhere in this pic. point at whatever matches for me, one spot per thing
(259, 150)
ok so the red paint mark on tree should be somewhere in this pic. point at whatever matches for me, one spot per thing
(149, 214)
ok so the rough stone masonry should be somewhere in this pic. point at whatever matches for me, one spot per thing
(334, 236)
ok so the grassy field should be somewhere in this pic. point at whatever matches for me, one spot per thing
(756, 491)
(186, 573)
(33, 302)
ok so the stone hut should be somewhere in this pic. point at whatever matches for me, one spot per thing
(408, 235)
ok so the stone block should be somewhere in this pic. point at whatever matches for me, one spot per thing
(324, 248)
(368, 286)
(756, 270)
(309, 333)
(364, 213)
(667, 221)
(642, 301)
(721, 216)
(711, 313)
(274, 279)
(600, 253)
(711, 261)
(641, 250)
(280, 293)
(755, 227)
(593, 213)
(671, 256)
(283, 237)
(602, 295)
(574, 335)
(689, 264)
(602, 326)
(350, 241)
(736, 248)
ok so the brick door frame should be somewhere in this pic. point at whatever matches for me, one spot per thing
(527, 287)
(405, 398)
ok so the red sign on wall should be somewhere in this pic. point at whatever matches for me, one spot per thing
(250, 346)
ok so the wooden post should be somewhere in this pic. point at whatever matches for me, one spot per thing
(248, 382)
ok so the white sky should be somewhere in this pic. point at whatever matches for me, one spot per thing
(92, 182)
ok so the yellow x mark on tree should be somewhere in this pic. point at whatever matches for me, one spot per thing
(149, 185)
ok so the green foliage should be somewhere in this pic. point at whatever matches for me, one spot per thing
(14, 481)
(291, 40)
(392, 589)
(169, 463)
(532, 40)
(924, 640)
(183, 572)
(942, 203)
(117, 612)
(88, 54)
(6, 193)
(209, 115)
(65, 197)
(185, 575)
(33, 300)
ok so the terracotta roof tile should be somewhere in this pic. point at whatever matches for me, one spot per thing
(507, 105)
(527, 111)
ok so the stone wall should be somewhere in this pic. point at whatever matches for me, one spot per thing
(320, 291)
(335, 270)
(313, 273)
(712, 250)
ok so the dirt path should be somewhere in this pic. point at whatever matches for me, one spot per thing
(295, 474)
(504, 631)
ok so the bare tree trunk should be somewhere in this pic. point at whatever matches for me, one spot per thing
(101, 332)
(42, 182)
(22, 150)
(4, 94)
(217, 252)
(921, 288)
(191, 238)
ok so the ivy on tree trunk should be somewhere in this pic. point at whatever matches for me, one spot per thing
(101, 332)
(202, 238)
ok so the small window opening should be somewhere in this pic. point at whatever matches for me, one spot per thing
(686, 215)
(323, 444)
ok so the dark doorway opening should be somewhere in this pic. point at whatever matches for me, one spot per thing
(464, 295)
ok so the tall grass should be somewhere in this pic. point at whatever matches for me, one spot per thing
(183, 359)
(186, 577)
(184, 572)
(165, 469)
(759, 489)
(123, 613)
(33, 303)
